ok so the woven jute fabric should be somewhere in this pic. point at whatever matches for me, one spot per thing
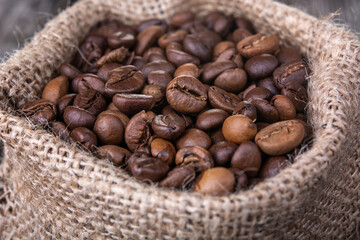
(51, 190)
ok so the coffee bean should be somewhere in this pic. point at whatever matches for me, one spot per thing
(91, 100)
(60, 130)
(163, 150)
(131, 104)
(211, 119)
(231, 80)
(177, 56)
(63, 102)
(209, 38)
(144, 167)
(85, 137)
(196, 156)
(239, 34)
(158, 65)
(121, 38)
(247, 109)
(241, 180)
(180, 18)
(217, 136)
(222, 25)
(216, 181)
(214, 69)
(221, 99)
(167, 110)
(268, 83)
(115, 154)
(137, 132)
(104, 71)
(272, 166)
(177, 36)
(39, 111)
(168, 126)
(238, 129)
(261, 66)
(75, 117)
(186, 94)
(284, 106)
(123, 118)
(222, 152)
(265, 111)
(258, 44)
(154, 91)
(147, 37)
(244, 23)
(69, 71)
(138, 62)
(250, 87)
(258, 93)
(109, 129)
(151, 22)
(287, 55)
(187, 69)
(281, 137)
(88, 81)
(196, 47)
(193, 137)
(231, 55)
(125, 79)
(159, 78)
(247, 157)
(153, 51)
(297, 94)
(55, 89)
(211, 17)
(221, 47)
(179, 178)
(294, 72)
(194, 27)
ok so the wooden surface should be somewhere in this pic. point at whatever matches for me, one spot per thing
(20, 19)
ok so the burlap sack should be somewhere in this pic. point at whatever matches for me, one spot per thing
(50, 189)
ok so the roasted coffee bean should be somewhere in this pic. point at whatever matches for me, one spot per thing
(131, 104)
(182, 17)
(56, 89)
(156, 66)
(258, 92)
(272, 166)
(180, 177)
(294, 72)
(287, 55)
(159, 78)
(194, 27)
(177, 36)
(151, 22)
(124, 119)
(216, 181)
(144, 167)
(196, 47)
(60, 130)
(91, 100)
(258, 44)
(222, 47)
(247, 109)
(69, 71)
(138, 62)
(118, 55)
(121, 38)
(268, 83)
(186, 94)
(167, 110)
(281, 137)
(241, 180)
(193, 137)
(163, 150)
(261, 66)
(210, 38)
(211, 119)
(297, 94)
(265, 111)
(308, 129)
(231, 55)
(250, 87)
(212, 70)
(115, 154)
(154, 91)
(284, 106)
(137, 132)
(222, 152)
(177, 56)
(75, 117)
(244, 23)
(125, 79)
(195, 156)
(85, 137)
(187, 69)
(222, 25)
(153, 51)
(168, 126)
(109, 129)
(247, 157)
(63, 102)
(231, 80)
(239, 34)
(39, 111)
(238, 129)
(88, 81)
(148, 37)
(217, 136)
(221, 99)
(104, 71)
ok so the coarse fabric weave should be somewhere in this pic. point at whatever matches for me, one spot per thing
(53, 190)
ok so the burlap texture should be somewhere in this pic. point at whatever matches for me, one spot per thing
(50, 189)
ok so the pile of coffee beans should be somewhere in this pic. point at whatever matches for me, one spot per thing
(203, 105)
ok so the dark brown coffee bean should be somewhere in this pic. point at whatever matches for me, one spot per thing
(125, 79)
(246, 109)
(186, 94)
(261, 66)
(115, 154)
(179, 177)
(281, 137)
(121, 38)
(231, 55)
(104, 71)
(265, 111)
(294, 72)
(272, 166)
(177, 36)
(258, 44)
(92, 101)
(137, 132)
(69, 71)
(159, 78)
(241, 180)
(177, 56)
(118, 55)
(154, 91)
(251, 86)
(268, 83)
(231, 80)
(168, 126)
(239, 34)
(56, 89)
(222, 47)
(247, 157)
(217, 136)
(196, 47)
(124, 119)
(216, 181)
(144, 167)
(258, 92)
(153, 51)
(147, 37)
(221, 99)
(238, 129)
(60, 130)
(196, 156)
(211, 119)
(88, 81)
(244, 23)
(85, 137)
(158, 65)
(151, 22)
(109, 129)
(284, 106)
(212, 70)
(39, 111)
(180, 18)
(187, 69)
(297, 94)
(222, 152)
(167, 110)
(163, 150)
(138, 62)
(287, 55)
(193, 137)
(209, 38)
(131, 104)
(63, 102)
(222, 25)
(75, 117)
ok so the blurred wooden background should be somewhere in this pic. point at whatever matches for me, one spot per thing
(20, 19)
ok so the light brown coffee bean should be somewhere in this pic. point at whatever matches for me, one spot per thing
(216, 181)
(55, 89)
(238, 129)
(284, 106)
(163, 150)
